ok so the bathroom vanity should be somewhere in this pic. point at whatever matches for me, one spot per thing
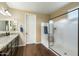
(9, 45)
(9, 38)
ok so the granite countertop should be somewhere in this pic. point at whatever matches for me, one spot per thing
(5, 40)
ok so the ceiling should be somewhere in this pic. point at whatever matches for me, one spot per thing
(37, 7)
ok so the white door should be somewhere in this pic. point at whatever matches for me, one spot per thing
(31, 29)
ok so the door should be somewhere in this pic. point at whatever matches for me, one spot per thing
(31, 29)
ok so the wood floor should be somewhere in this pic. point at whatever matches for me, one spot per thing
(34, 50)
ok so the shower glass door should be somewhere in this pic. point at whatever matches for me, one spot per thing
(63, 38)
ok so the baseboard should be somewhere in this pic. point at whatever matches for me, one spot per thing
(38, 42)
(21, 45)
(34, 43)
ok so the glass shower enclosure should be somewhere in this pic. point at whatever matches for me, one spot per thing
(63, 33)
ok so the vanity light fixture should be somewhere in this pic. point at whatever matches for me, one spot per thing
(5, 12)
(2, 12)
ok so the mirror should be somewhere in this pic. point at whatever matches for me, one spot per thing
(4, 26)
(8, 25)
(13, 25)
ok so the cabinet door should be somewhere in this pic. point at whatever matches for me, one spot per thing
(6, 51)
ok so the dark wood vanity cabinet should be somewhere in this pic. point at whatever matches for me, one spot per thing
(11, 48)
